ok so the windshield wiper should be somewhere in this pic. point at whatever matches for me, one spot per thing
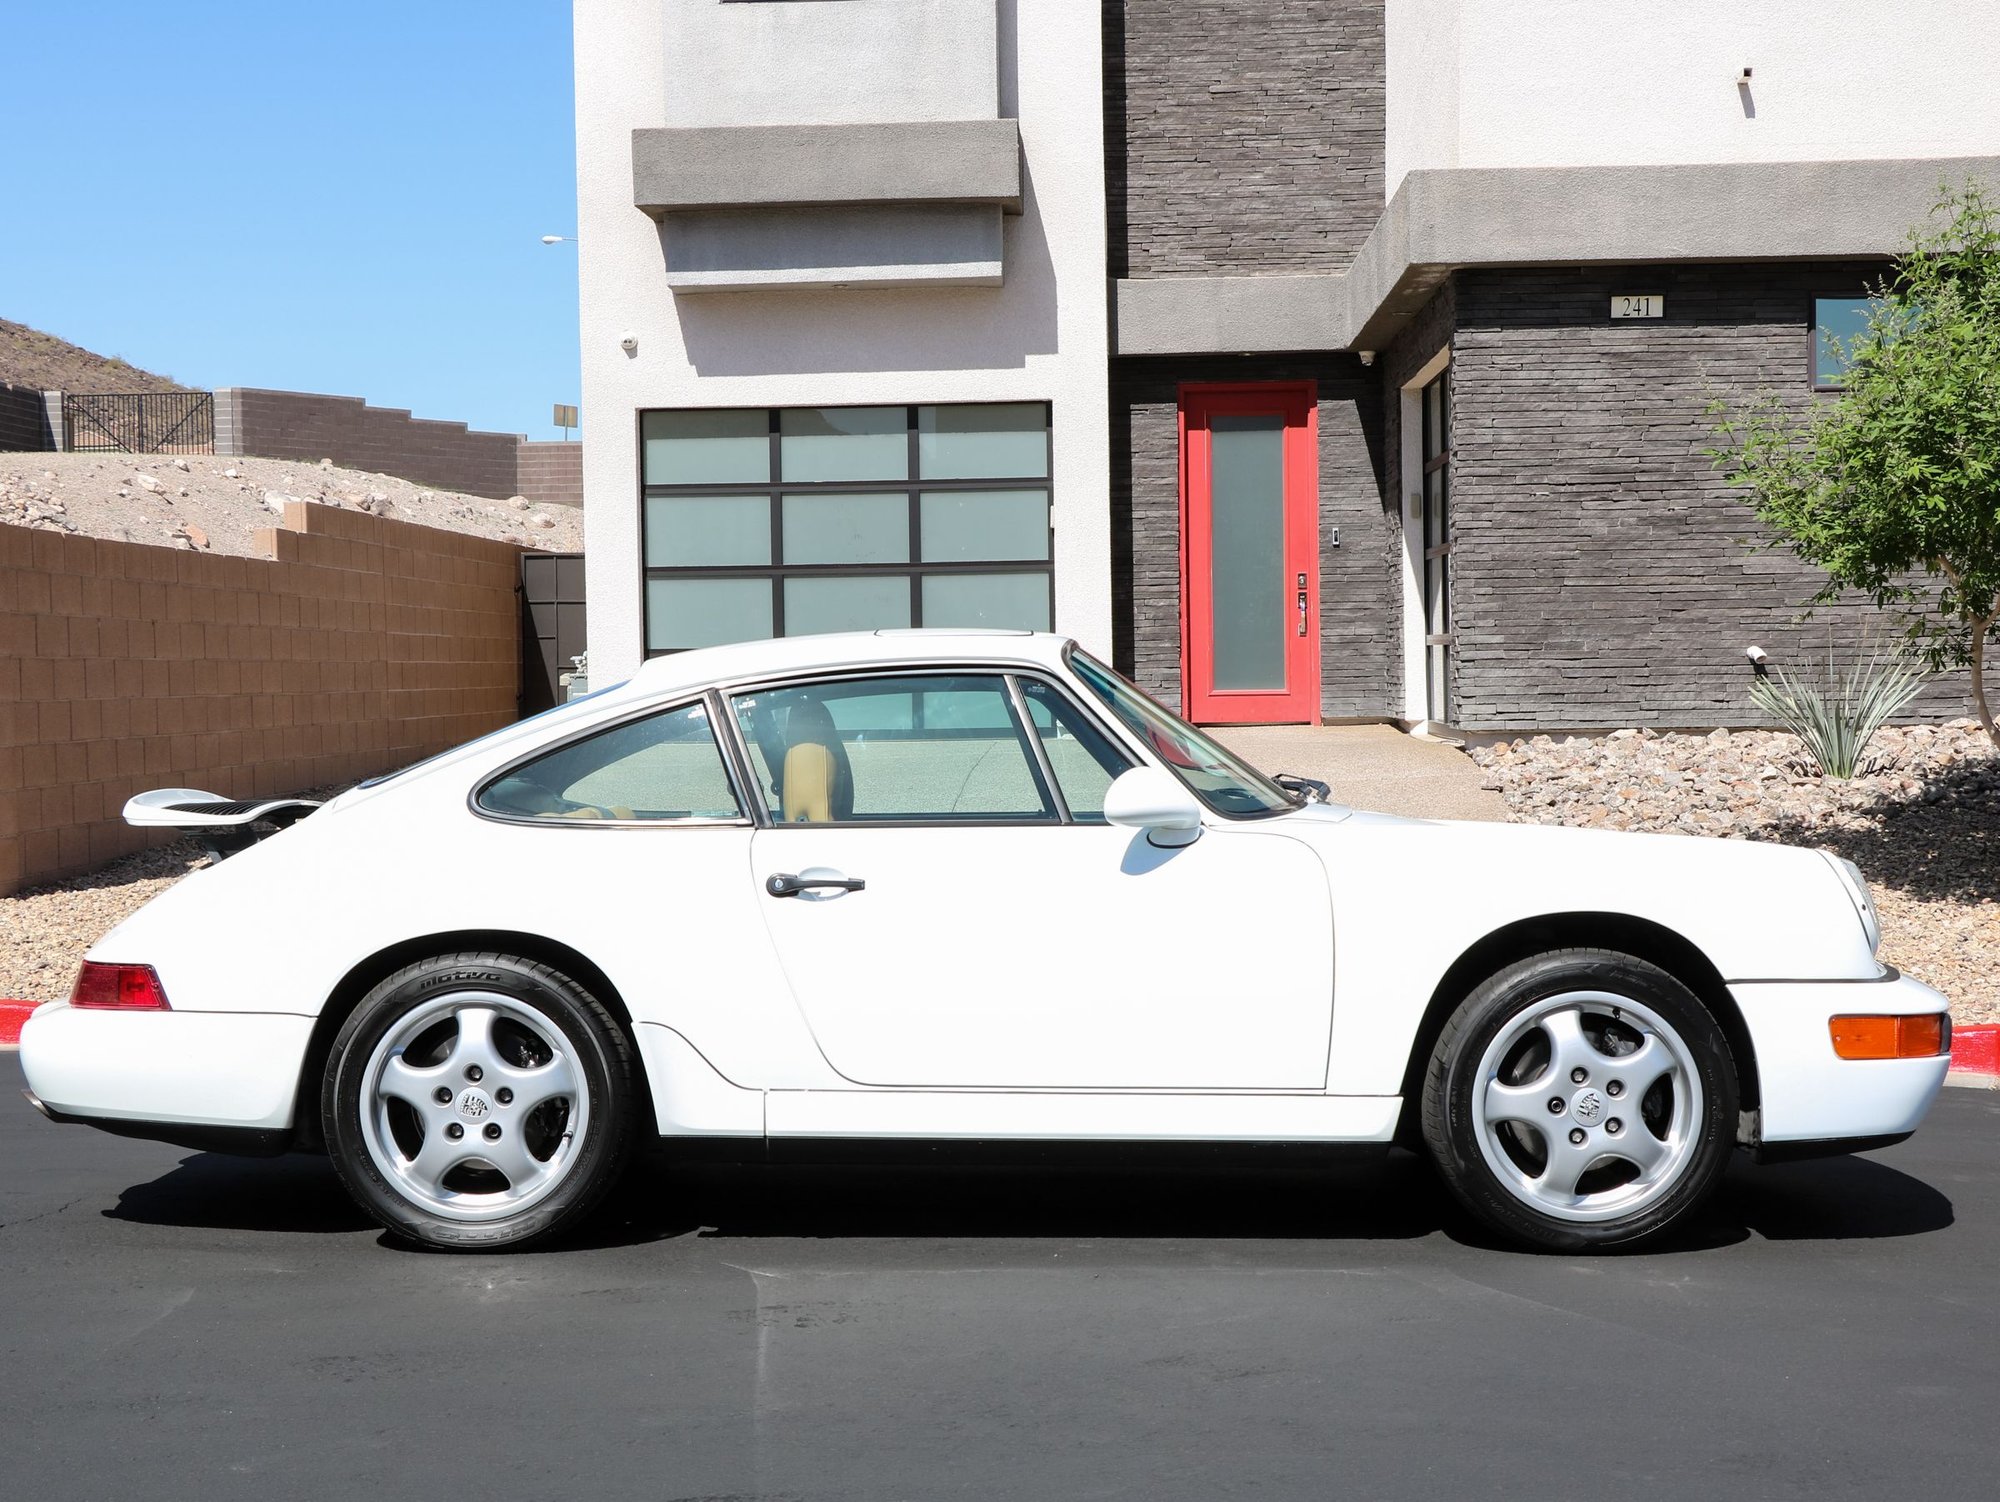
(1306, 789)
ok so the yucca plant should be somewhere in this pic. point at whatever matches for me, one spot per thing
(1837, 717)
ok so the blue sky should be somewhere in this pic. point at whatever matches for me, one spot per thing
(346, 198)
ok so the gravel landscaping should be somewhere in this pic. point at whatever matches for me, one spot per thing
(1923, 825)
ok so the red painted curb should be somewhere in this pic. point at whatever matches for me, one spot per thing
(12, 1015)
(1976, 1050)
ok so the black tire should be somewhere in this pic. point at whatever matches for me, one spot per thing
(530, 1010)
(1460, 1132)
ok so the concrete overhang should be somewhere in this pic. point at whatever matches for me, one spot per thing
(695, 168)
(1445, 220)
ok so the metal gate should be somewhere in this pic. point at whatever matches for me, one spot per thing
(139, 422)
(552, 625)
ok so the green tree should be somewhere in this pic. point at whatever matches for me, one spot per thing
(1893, 486)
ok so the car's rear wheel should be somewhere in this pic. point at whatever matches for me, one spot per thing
(1581, 1099)
(478, 1101)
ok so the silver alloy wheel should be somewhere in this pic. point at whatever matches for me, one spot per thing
(474, 1109)
(1583, 1111)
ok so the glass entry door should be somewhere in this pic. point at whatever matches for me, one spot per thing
(1249, 553)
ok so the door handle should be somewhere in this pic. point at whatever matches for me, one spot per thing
(784, 884)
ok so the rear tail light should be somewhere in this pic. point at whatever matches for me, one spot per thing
(1923, 1036)
(127, 987)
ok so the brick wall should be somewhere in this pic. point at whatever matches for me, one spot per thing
(1603, 571)
(1242, 136)
(359, 644)
(24, 423)
(551, 474)
(386, 440)
(1360, 600)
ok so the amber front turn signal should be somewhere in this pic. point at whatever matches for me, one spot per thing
(1923, 1036)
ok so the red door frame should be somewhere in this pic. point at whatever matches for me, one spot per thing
(1297, 402)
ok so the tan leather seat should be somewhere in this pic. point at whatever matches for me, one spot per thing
(808, 784)
(815, 784)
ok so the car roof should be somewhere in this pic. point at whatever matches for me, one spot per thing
(775, 656)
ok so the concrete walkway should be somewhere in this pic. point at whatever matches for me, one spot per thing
(1372, 766)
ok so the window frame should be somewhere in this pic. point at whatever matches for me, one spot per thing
(1012, 675)
(773, 490)
(709, 699)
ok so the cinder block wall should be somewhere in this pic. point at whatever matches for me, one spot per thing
(24, 421)
(551, 474)
(386, 440)
(358, 645)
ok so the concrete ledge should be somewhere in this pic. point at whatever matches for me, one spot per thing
(1229, 314)
(788, 166)
(1444, 220)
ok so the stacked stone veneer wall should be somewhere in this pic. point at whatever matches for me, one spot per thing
(24, 420)
(1359, 584)
(356, 645)
(1242, 138)
(1603, 572)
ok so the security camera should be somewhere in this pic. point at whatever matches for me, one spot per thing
(1756, 654)
(629, 343)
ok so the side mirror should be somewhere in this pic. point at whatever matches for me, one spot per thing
(1155, 801)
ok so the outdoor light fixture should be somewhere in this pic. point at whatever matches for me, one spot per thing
(1758, 657)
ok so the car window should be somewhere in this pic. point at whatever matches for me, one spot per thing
(1082, 757)
(666, 766)
(943, 747)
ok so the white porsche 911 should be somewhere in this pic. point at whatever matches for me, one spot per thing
(963, 886)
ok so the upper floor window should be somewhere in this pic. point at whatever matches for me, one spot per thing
(790, 521)
(1836, 323)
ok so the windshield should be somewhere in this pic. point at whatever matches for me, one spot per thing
(1217, 776)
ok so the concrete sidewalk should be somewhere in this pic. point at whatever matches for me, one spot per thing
(1372, 766)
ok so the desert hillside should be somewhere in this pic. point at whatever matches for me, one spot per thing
(42, 362)
(205, 503)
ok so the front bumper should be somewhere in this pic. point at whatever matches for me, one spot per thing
(199, 1078)
(1808, 1092)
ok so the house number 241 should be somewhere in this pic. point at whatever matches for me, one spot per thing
(1638, 305)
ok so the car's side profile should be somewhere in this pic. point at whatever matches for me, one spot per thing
(965, 886)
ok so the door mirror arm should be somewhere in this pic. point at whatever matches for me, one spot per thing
(1157, 802)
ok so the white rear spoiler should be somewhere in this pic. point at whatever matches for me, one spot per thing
(226, 825)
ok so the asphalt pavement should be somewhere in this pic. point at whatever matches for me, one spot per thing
(188, 1326)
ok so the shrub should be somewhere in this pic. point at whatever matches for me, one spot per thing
(1835, 718)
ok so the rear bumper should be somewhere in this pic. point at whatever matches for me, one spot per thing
(1812, 1095)
(203, 1079)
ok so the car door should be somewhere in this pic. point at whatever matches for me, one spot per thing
(951, 910)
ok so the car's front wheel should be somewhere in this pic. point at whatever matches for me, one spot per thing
(1581, 1099)
(478, 1101)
